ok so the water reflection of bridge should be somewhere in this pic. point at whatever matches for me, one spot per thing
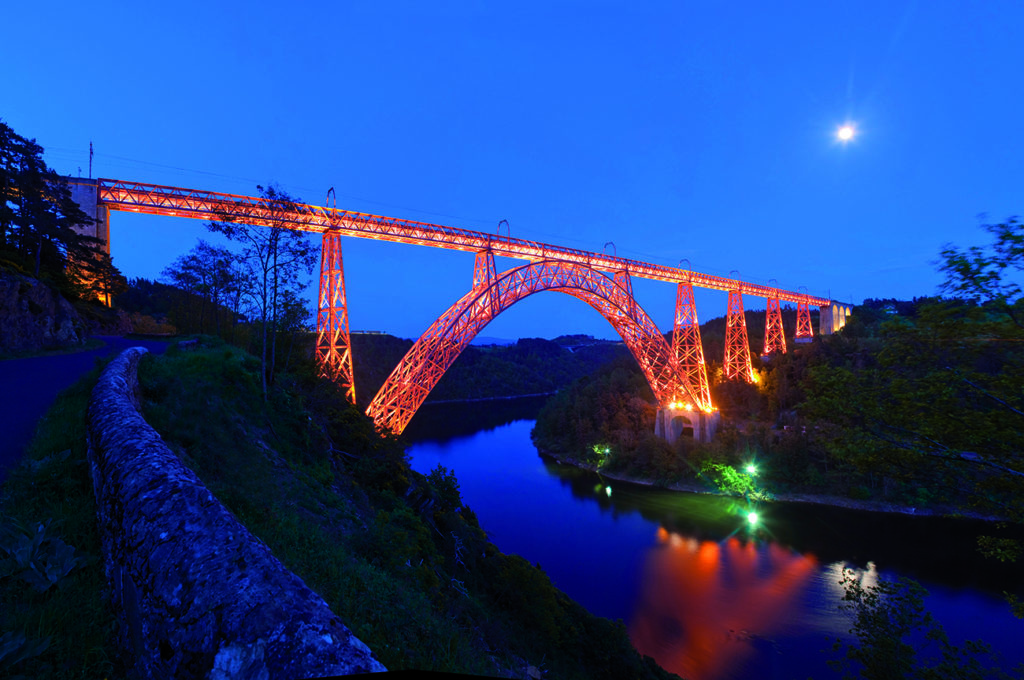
(676, 373)
(703, 603)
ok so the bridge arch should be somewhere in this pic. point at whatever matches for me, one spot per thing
(423, 365)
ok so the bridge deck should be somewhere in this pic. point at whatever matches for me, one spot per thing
(208, 205)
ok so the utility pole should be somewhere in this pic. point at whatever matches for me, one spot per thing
(90, 160)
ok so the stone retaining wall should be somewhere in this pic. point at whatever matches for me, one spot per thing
(198, 596)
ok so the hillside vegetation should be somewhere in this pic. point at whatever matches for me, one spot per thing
(912, 404)
(529, 366)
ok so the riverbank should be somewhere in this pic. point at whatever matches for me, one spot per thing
(809, 498)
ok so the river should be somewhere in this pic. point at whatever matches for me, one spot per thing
(697, 589)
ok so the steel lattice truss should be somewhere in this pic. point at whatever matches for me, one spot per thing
(774, 334)
(803, 321)
(687, 348)
(737, 350)
(333, 346)
(155, 199)
(411, 381)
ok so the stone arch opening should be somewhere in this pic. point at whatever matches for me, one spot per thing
(682, 427)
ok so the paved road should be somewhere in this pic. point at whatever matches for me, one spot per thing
(29, 386)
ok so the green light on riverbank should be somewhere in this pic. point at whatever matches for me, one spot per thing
(752, 518)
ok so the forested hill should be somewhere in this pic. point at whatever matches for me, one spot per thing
(915, 403)
(530, 366)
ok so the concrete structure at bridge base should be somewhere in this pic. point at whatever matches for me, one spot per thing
(833, 317)
(86, 193)
(672, 423)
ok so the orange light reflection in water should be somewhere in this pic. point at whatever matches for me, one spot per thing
(702, 602)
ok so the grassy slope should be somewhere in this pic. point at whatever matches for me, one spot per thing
(396, 556)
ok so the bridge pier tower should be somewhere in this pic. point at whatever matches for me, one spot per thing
(737, 349)
(774, 334)
(333, 344)
(687, 349)
(672, 423)
(804, 329)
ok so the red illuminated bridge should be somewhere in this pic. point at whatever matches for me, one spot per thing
(676, 374)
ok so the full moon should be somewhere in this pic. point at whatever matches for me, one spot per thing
(845, 133)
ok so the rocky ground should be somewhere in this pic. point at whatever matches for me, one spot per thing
(34, 317)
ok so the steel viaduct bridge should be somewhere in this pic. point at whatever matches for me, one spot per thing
(676, 373)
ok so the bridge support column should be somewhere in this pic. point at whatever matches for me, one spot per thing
(737, 348)
(484, 276)
(483, 269)
(687, 348)
(333, 345)
(774, 333)
(804, 329)
(623, 280)
(672, 423)
(86, 193)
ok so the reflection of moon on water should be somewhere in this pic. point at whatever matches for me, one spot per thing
(704, 604)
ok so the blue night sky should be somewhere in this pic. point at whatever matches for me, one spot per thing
(704, 131)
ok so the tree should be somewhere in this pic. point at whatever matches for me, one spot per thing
(37, 220)
(106, 281)
(292, 320)
(983, 273)
(886, 616)
(274, 260)
(207, 274)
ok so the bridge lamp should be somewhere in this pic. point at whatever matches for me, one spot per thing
(608, 491)
(751, 469)
(752, 518)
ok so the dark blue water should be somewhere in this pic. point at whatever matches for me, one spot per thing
(696, 589)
